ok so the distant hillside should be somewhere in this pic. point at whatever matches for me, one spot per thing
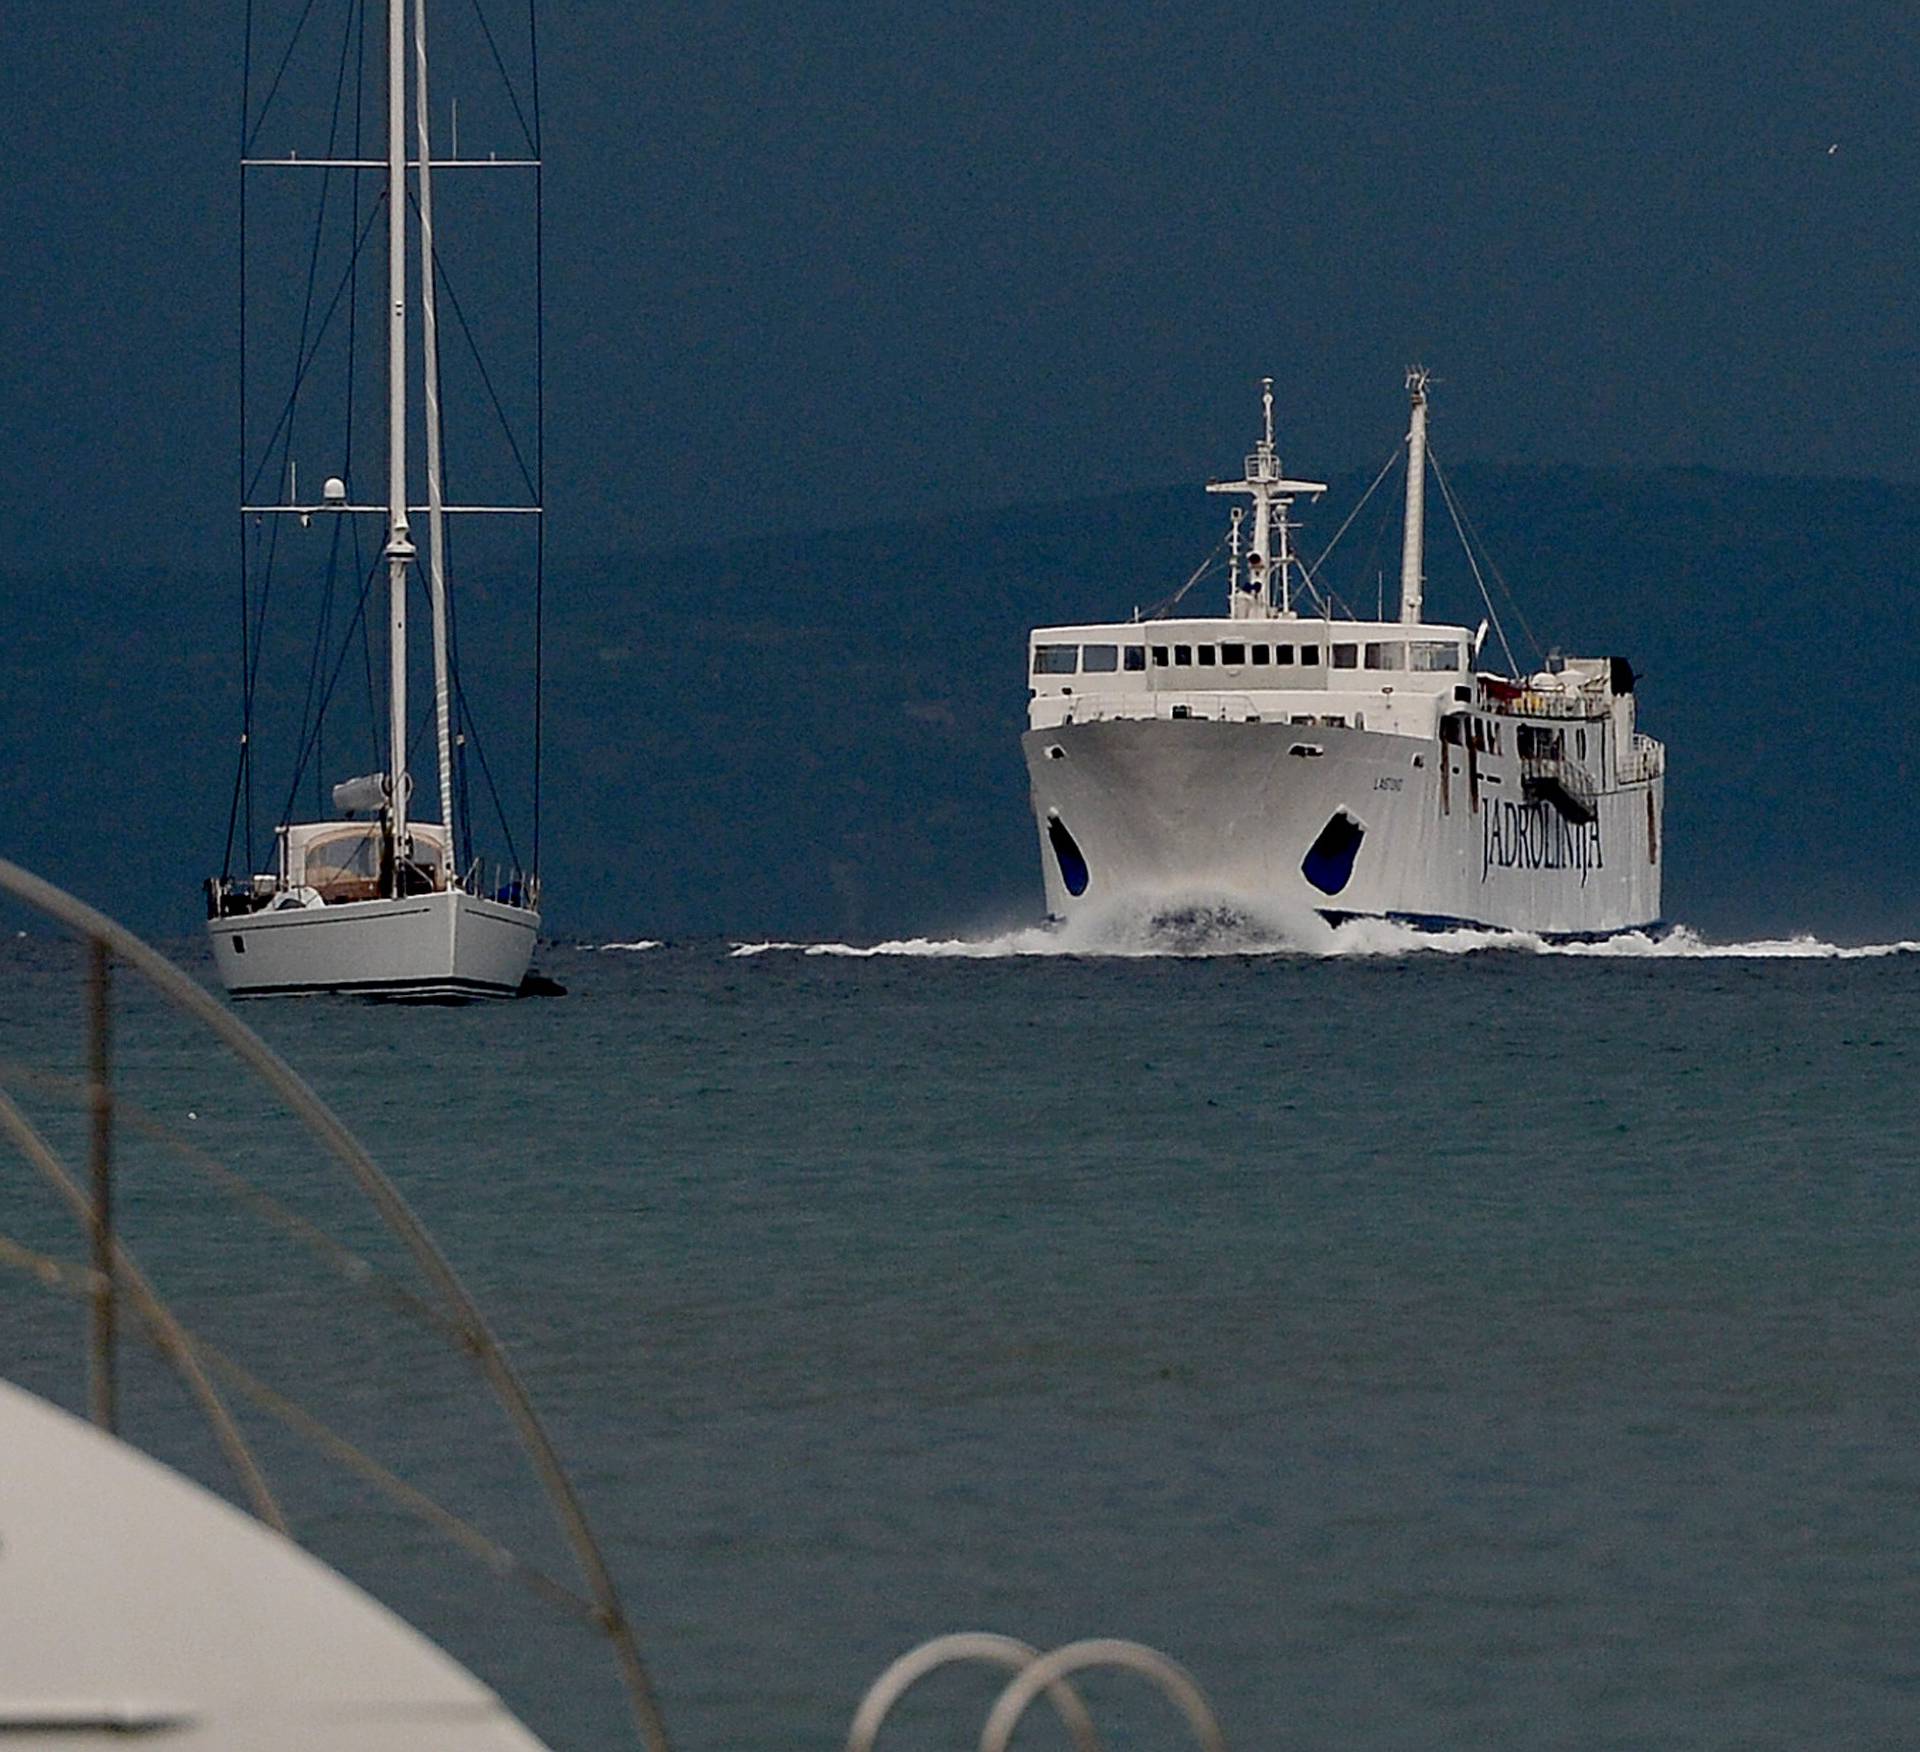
(820, 735)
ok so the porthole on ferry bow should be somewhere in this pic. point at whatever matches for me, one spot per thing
(1067, 854)
(1328, 864)
(1055, 751)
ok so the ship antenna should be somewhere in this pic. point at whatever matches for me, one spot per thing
(1263, 481)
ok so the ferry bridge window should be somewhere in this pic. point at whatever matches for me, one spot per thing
(1233, 655)
(1260, 656)
(1159, 656)
(1055, 659)
(1310, 654)
(1435, 656)
(1099, 659)
(1283, 654)
(1183, 656)
(1580, 742)
(1208, 656)
(1344, 656)
(1136, 657)
(1386, 654)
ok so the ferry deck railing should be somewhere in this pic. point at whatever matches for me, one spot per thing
(1539, 703)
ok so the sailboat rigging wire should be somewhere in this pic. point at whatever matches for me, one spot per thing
(539, 428)
(378, 763)
(310, 722)
(1506, 590)
(346, 647)
(300, 344)
(506, 79)
(326, 322)
(463, 712)
(249, 127)
(255, 635)
(1493, 614)
(1386, 468)
(445, 284)
(242, 772)
(486, 771)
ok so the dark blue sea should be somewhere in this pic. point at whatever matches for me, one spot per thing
(1427, 1346)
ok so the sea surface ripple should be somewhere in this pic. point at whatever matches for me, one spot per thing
(1513, 1348)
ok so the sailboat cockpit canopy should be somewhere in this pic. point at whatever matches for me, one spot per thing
(345, 860)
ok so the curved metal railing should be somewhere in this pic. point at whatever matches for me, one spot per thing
(1036, 1675)
(1006, 1652)
(113, 1277)
(114, 1273)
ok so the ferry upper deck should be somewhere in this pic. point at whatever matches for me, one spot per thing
(1370, 675)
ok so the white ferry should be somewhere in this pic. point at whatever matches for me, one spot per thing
(1287, 757)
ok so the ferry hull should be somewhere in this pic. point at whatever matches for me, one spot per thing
(444, 947)
(1338, 821)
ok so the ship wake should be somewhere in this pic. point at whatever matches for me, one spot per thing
(1213, 926)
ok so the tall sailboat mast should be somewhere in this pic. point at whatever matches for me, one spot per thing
(1413, 539)
(377, 906)
(400, 549)
(436, 486)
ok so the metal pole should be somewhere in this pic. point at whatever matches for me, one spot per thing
(436, 491)
(400, 550)
(103, 1388)
(1412, 558)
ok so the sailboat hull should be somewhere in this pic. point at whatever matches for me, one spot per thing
(445, 947)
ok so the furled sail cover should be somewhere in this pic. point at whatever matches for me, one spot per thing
(369, 791)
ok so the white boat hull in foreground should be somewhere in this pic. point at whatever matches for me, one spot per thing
(140, 1607)
(1158, 811)
(447, 945)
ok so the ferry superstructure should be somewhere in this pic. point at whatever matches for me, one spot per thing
(1302, 760)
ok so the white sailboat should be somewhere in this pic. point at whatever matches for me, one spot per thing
(375, 901)
(1289, 756)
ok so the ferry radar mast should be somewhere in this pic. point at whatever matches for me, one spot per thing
(1272, 493)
